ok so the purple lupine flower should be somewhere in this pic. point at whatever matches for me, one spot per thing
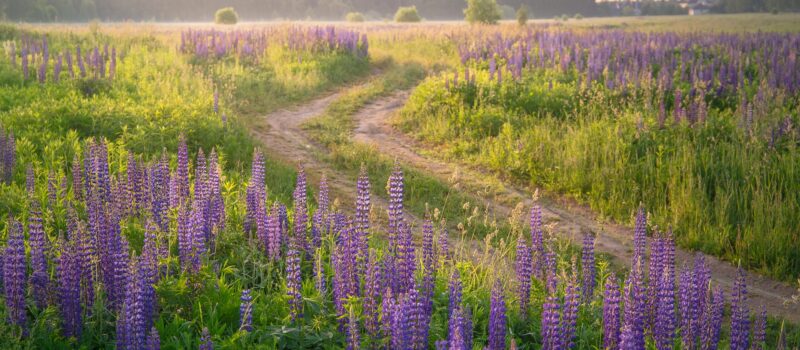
(402, 322)
(362, 218)
(69, 289)
(497, 319)
(294, 282)
(372, 294)
(14, 279)
(274, 236)
(136, 315)
(587, 265)
(182, 172)
(185, 230)
(664, 330)
(740, 315)
(353, 337)
(255, 190)
(246, 311)
(611, 314)
(300, 211)
(40, 276)
(693, 287)
(712, 319)
(388, 305)
(429, 272)
(262, 226)
(550, 271)
(569, 318)
(640, 236)
(537, 242)
(159, 179)
(760, 330)
(632, 335)
(456, 330)
(216, 202)
(205, 340)
(362, 209)
(395, 187)
(153, 340)
(404, 259)
(550, 323)
(523, 268)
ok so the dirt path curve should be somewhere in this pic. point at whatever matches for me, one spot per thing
(569, 221)
(283, 137)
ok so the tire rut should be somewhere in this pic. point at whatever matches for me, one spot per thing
(568, 221)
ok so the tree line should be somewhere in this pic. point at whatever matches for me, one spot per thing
(203, 10)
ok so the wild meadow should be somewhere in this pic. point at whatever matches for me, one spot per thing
(141, 209)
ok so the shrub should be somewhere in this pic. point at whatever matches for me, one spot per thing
(482, 11)
(522, 15)
(226, 15)
(354, 17)
(578, 16)
(407, 14)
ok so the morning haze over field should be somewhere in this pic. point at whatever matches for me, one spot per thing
(404, 175)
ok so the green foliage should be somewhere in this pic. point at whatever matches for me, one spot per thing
(715, 184)
(578, 16)
(522, 15)
(226, 15)
(482, 11)
(407, 14)
(354, 17)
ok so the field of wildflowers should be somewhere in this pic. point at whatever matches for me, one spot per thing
(139, 212)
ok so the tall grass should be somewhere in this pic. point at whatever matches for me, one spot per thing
(725, 189)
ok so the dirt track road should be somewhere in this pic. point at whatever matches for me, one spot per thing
(373, 127)
(283, 137)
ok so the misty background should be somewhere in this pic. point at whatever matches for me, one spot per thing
(253, 10)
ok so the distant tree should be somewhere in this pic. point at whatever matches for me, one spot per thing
(578, 16)
(482, 11)
(354, 17)
(226, 15)
(522, 15)
(407, 14)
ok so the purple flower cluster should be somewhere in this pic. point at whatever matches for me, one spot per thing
(14, 271)
(252, 44)
(8, 155)
(294, 282)
(717, 63)
(523, 267)
(246, 311)
(611, 313)
(95, 64)
(69, 289)
(740, 315)
(497, 319)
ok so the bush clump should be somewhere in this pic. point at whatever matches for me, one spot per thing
(482, 11)
(407, 14)
(354, 17)
(226, 15)
(522, 15)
